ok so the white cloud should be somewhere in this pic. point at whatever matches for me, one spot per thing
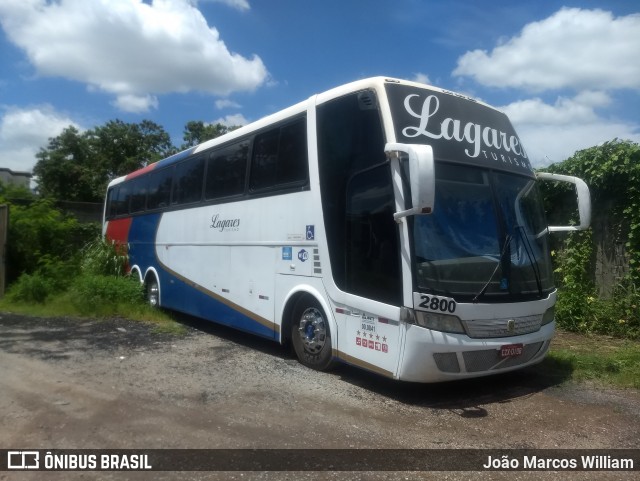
(421, 78)
(565, 111)
(573, 48)
(242, 5)
(232, 120)
(129, 48)
(553, 133)
(227, 104)
(588, 52)
(136, 103)
(23, 131)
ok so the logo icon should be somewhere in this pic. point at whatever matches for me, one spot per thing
(311, 232)
(287, 253)
(23, 460)
(511, 325)
(303, 255)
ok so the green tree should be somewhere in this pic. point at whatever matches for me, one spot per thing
(196, 132)
(62, 168)
(120, 148)
(77, 166)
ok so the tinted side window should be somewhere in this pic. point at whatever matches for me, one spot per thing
(350, 140)
(187, 186)
(372, 260)
(125, 198)
(280, 156)
(138, 194)
(118, 200)
(159, 188)
(226, 171)
(112, 194)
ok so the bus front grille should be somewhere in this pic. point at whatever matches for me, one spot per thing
(514, 326)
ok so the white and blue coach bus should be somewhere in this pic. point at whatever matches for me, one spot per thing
(387, 224)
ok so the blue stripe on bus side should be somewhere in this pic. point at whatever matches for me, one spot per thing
(179, 295)
(182, 295)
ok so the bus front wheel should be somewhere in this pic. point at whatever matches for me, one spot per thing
(310, 335)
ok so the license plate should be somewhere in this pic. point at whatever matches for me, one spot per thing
(511, 350)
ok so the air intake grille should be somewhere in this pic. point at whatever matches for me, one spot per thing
(513, 326)
(489, 359)
(447, 361)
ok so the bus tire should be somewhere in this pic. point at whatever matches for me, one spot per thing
(152, 290)
(311, 336)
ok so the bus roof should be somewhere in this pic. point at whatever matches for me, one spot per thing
(376, 83)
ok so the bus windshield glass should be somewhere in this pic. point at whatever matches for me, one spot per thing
(486, 239)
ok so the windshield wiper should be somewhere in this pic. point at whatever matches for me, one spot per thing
(507, 241)
(529, 250)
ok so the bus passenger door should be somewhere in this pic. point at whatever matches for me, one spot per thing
(372, 273)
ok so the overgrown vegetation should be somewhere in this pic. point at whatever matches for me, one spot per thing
(612, 172)
(57, 265)
(61, 267)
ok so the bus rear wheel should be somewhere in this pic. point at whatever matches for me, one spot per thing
(310, 335)
(152, 291)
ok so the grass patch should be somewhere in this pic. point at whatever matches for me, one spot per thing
(65, 306)
(599, 359)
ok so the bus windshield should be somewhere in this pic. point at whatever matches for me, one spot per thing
(486, 239)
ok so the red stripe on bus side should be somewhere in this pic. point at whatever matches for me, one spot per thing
(118, 230)
(148, 168)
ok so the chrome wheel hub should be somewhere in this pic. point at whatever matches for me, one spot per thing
(312, 330)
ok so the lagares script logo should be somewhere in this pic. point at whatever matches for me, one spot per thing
(222, 225)
(481, 139)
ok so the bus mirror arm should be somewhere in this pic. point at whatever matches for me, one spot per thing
(584, 200)
(421, 177)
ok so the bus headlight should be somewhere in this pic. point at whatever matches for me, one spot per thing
(439, 322)
(549, 316)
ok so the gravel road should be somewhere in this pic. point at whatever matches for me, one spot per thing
(68, 383)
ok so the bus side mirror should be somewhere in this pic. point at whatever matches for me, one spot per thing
(584, 200)
(421, 177)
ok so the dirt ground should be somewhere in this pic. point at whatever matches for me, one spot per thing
(118, 384)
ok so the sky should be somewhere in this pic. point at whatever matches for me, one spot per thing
(566, 72)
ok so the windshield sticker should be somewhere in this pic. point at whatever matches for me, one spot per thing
(458, 129)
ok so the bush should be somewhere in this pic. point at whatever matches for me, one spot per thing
(101, 257)
(100, 294)
(38, 232)
(580, 310)
(31, 288)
